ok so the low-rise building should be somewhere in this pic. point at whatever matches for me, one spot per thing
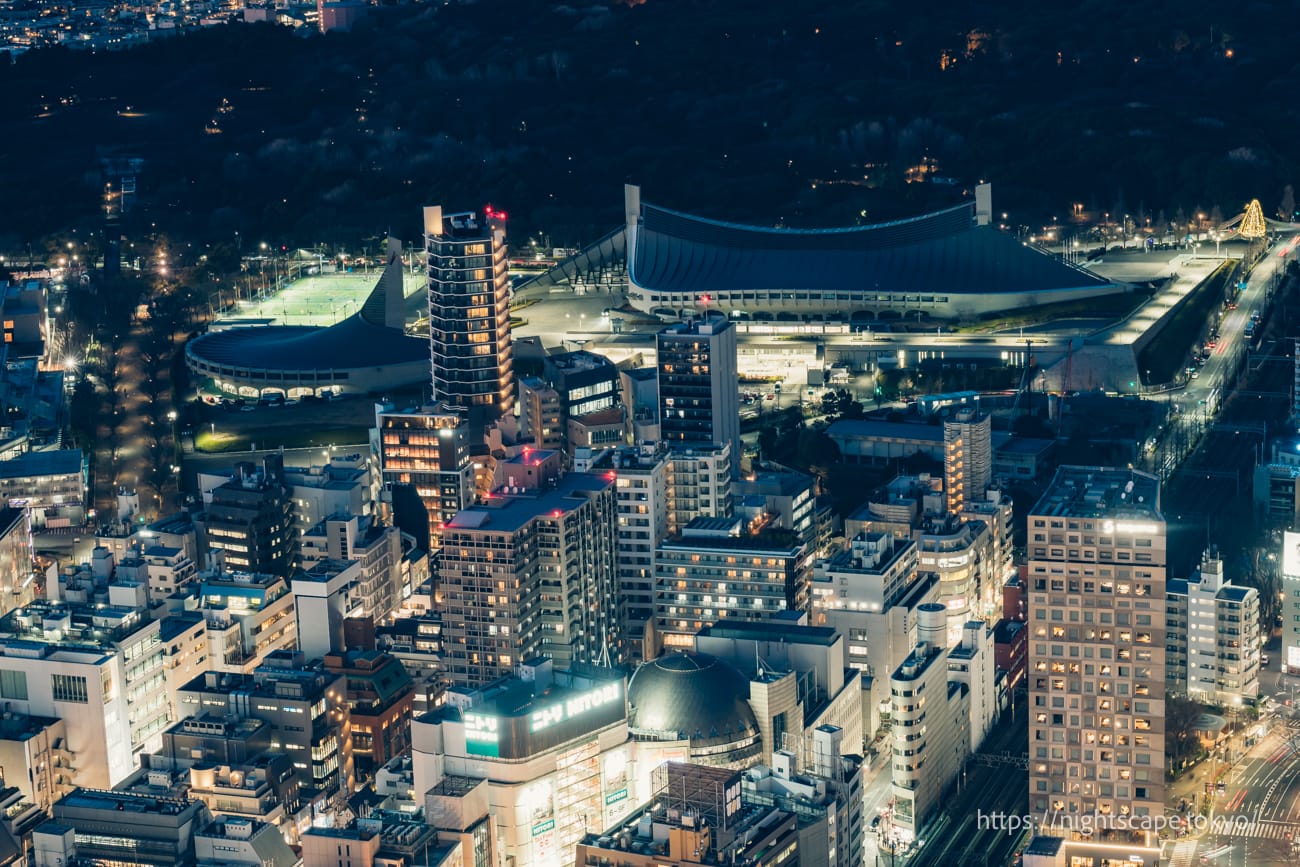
(119, 828)
(51, 486)
(698, 818)
(1212, 637)
(380, 696)
(234, 840)
(248, 617)
(306, 707)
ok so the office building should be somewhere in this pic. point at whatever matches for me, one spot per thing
(800, 681)
(50, 485)
(1291, 602)
(325, 596)
(342, 486)
(552, 747)
(425, 466)
(712, 572)
(530, 570)
(872, 594)
(699, 398)
(576, 402)
(145, 830)
(377, 550)
(250, 520)
(383, 838)
(34, 757)
(469, 312)
(1213, 637)
(957, 551)
(967, 457)
(1096, 575)
(100, 668)
(306, 707)
(825, 792)
(931, 734)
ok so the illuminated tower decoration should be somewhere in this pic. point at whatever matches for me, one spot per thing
(469, 312)
(1252, 222)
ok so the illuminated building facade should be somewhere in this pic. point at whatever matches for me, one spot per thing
(711, 573)
(553, 749)
(427, 452)
(967, 458)
(699, 401)
(1097, 617)
(530, 571)
(469, 312)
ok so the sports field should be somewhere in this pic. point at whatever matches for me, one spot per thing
(325, 299)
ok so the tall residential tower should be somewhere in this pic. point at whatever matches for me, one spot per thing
(699, 400)
(1096, 551)
(469, 312)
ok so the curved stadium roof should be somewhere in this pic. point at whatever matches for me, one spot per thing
(362, 340)
(352, 343)
(944, 251)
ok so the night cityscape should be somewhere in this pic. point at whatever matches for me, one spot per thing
(908, 474)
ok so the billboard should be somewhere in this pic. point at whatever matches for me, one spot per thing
(546, 722)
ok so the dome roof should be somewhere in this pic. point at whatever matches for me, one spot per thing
(690, 695)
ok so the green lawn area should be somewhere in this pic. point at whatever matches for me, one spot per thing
(288, 437)
(1162, 358)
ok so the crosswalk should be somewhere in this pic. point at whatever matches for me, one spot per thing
(1183, 854)
(1260, 829)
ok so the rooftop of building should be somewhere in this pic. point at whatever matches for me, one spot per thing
(71, 625)
(1101, 492)
(1025, 446)
(127, 802)
(740, 839)
(689, 695)
(281, 668)
(641, 374)
(772, 631)
(782, 483)
(20, 726)
(918, 662)
(1006, 630)
(508, 513)
(778, 541)
(674, 251)
(515, 697)
(60, 462)
(579, 360)
(706, 325)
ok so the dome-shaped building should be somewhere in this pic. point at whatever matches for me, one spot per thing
(699, 699)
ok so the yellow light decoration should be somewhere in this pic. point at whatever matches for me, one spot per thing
(1252, 222)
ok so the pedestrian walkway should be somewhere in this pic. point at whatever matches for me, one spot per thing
(1183, 854)
(1260, 829)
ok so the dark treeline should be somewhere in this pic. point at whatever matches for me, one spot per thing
(802, 113)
